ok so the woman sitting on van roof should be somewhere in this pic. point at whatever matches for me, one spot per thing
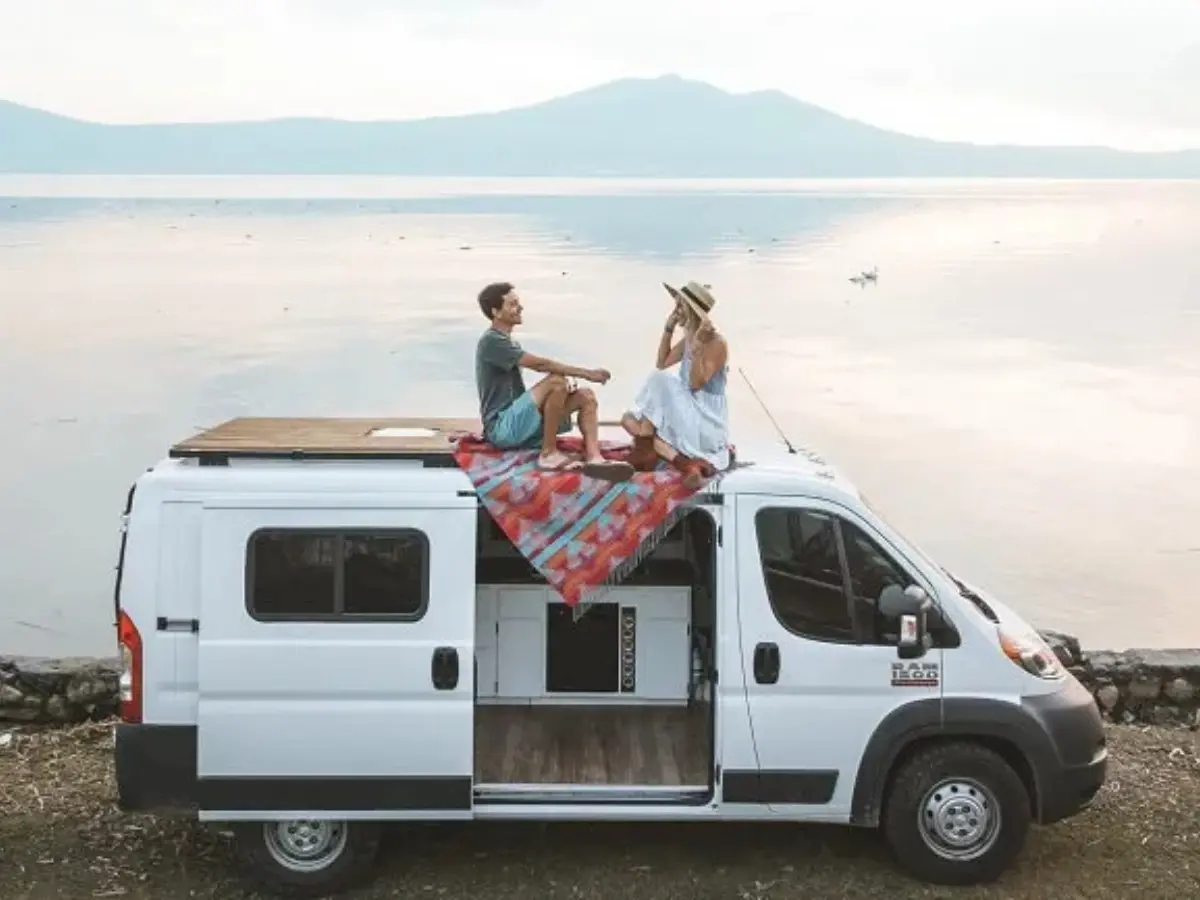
(683, 417)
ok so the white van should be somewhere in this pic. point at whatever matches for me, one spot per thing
(322, 631)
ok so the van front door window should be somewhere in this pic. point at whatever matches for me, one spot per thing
(871, 570)
(803, 574)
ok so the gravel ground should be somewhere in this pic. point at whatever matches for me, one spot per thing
(60, 836)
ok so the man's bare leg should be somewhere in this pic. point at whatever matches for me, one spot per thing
(583, 402)
(550, 395)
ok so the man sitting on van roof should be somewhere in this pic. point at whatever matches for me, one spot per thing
(514, 418)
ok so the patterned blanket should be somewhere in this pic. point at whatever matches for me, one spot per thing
(583, 534)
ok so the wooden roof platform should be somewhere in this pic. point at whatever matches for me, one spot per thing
(325, 438)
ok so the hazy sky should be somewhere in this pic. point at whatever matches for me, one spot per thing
(1121, 72)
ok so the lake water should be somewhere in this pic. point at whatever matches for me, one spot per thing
(1019, 392)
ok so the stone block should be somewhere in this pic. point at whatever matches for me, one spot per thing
(1065, 646)
(37, 689)
(1179, 690)
(1108, 697)
(1144, 687)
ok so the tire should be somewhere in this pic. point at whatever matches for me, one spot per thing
(306, 858)
(979, 802)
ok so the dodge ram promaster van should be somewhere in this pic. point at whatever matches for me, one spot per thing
(322, 630)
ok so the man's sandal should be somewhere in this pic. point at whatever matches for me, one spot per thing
(562, 463)
(609, 470)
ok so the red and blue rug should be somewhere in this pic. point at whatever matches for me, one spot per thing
(582, 534)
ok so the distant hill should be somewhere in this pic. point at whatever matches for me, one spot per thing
(660, 127)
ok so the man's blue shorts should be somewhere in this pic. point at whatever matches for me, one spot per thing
(519, 425)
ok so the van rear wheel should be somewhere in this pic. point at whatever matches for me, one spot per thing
(957, 814)
(307, 857)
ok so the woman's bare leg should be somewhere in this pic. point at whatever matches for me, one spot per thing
(642, 456)
(665, 450)
(637, 427)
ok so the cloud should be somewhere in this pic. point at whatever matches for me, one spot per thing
(1122, 65)
(1122, 72)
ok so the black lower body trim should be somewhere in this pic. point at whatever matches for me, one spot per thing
(156, 769)
(363, 793)
(809, 786)
(1073, 790)
(1058, 738)
(1075, 771)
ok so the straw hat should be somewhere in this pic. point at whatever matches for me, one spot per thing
(697, 296)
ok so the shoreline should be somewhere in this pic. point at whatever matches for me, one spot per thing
(1139, 686)
(61, 835)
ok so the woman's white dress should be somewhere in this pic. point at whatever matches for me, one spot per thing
(696, 423)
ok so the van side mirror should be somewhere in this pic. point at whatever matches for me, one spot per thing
(910, 607)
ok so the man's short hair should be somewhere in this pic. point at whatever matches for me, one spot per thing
(491, 298)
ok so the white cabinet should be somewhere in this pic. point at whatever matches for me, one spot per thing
(650, 628)
(663, 659)
(520, 640)
(519, 670)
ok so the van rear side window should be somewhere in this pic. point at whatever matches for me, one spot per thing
(306, 575)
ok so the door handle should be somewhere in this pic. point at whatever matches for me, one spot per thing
(445, 668)
(766, 663)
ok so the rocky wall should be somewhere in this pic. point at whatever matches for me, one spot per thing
(45, 691)
(1157, 687)
(1153, 687)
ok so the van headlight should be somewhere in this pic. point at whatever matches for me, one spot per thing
(1031, 653)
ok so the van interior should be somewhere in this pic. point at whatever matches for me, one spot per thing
(609, 700)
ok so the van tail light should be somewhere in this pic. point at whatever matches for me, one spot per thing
(131, 669)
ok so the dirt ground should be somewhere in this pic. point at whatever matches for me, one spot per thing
(60, 836)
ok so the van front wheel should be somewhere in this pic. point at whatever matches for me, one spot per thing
(307, 857)
(957, 814)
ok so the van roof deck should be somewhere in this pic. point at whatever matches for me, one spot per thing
(431, 440)
(325, 438)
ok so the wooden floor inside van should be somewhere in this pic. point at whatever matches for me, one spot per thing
(593, 745)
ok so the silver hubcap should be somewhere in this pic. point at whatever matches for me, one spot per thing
(305, 845)
(959, 819)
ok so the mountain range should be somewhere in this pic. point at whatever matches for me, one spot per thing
(656, 127)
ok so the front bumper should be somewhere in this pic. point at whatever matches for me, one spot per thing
(1069, 776)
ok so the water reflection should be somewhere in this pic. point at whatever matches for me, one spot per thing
(654, 227)
(1019, 390)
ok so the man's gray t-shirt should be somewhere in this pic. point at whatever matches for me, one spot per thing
(497, 375)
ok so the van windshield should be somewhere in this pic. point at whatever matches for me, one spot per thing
(965, 591)
(882, 518)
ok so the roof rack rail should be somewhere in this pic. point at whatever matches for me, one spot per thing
(428, 440)
(225, 457)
